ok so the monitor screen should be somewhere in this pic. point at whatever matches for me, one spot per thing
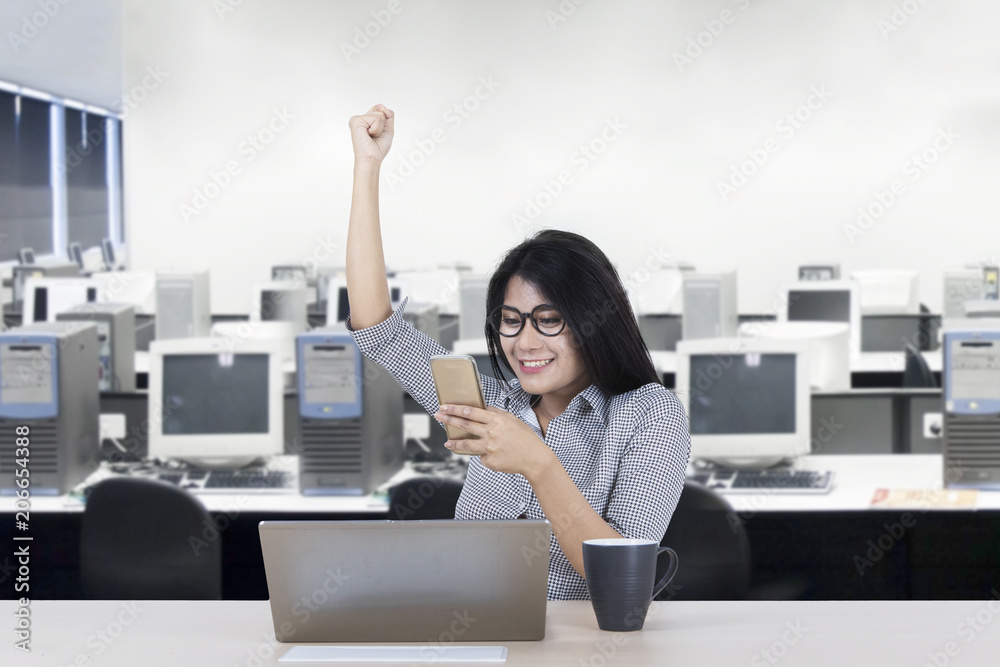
(278, 306)
(819, 305)
(215, 393)
(108, 251)
(343, 306)
(742, 394)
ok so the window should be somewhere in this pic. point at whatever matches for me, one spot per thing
(25, 186)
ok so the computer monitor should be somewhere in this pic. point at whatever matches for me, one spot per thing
(44, 298)
(215, 406)
(661, 293)
(108, 253)
(824, 301)
(888, 292)
(338, 306)
(819, 272)
(26, 255)
(283, 333)
(709, 305)
(439, 286)
(75, 252)
(829, 348)
(296, 273)
(747, 400)
(978, 308)
(280, 301)
(137, 288)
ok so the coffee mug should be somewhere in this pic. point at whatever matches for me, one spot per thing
(620, 577)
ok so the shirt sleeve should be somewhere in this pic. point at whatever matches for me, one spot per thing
(406, 353)
(652, 468)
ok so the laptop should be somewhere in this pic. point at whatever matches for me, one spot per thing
(407, 581)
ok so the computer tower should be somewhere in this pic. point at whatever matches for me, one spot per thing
(49, 406)
(182, 305)
(472, 307)
(971, 388)
(350, 417)
(21, 272)
(115, 342)
(425, 317)
(710, 305)
(961, 285)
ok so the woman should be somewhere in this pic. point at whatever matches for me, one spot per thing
(585, 436)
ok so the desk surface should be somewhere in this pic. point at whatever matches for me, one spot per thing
(907, 633)
(856, 478)
(867, 362)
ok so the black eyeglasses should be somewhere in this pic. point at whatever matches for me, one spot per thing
(508, 321)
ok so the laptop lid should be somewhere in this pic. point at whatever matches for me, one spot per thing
(407, 581)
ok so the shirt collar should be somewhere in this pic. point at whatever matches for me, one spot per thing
(518, 400)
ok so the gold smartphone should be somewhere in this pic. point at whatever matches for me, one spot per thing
(456, 379)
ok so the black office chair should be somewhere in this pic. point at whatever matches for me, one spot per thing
(916, 374)
(424, 498)
(148, 540)
(711, 545)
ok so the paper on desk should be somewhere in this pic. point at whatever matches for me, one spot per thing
(925, 498)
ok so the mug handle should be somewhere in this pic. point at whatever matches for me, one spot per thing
(671, 570)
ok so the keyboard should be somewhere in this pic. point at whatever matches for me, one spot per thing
(231, 481)
(779, 480)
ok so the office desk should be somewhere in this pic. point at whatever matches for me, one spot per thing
(154, 633)
(882, 367)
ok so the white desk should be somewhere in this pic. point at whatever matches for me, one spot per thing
(867, 362)
(676, 633)
(855, 480)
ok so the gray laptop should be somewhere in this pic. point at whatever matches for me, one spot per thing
(406, 581)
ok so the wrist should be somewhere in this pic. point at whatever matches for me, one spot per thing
(367, 165)
(544, 469)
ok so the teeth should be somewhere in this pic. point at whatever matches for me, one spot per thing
(533, 364)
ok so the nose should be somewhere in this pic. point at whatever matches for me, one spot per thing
(529, 338)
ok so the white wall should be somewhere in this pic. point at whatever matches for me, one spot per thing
(222, 75)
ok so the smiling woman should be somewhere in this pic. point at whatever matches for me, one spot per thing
(584, 435)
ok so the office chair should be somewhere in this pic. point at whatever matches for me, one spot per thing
(711, 545)
(148, 540)
(916, 374)
(424, 498)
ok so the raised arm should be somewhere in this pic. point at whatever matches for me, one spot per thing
(367, 287)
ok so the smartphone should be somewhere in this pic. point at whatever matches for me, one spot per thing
(456, 379)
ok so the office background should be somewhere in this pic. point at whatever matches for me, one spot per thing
(669, 96)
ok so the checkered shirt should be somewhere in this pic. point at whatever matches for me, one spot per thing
(627, 453)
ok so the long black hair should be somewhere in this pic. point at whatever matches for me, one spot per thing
(578, 279)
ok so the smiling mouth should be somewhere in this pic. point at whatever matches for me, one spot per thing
(536, 364)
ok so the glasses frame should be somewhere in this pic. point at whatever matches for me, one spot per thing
(525, 316)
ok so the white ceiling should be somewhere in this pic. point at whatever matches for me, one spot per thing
(76, 52)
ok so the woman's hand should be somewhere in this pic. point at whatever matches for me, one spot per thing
(505, 444)
(371, 133)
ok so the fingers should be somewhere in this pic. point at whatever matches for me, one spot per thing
(475, 428)
(465, 447)
(474, 414)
